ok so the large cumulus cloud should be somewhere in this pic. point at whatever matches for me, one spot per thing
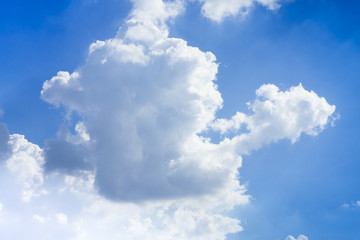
(145, 98)
(136, 164)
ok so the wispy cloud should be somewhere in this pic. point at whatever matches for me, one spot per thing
(300, 237)
(355, 204)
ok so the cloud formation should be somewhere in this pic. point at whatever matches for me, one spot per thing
(145, 99)
(136, 164)
(26, 163)
(301, 237)
(277, 115)
(217, 10)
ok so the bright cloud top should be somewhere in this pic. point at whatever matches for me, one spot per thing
(144, 100)
(217, 10)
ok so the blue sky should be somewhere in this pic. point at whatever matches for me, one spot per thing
(308, 187)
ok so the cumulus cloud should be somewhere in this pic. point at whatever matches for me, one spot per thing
(301, 237)
(143, 113)
(277, 115)
(26, 163)
(217, 10)
(145, 99)
(136, 164)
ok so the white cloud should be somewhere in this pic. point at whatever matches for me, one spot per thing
(137, 166)
(217, 10)
(26, 163)
(63, 82)
(301, 237)
(1, 207)
(141, 115)
(156, 221)
(156, 11)
(145, 99)
(277, 115)
(90, 216)
(40, 219)
(61, 218)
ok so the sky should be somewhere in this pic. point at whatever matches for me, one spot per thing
(179, 120)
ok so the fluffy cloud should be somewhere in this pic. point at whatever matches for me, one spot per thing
(73, 210)
(277, 115)
(144, 116)
(136, 164)
(157, 221)
(144, 100)
(217, 10)
(301, 237)
(26, 163)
